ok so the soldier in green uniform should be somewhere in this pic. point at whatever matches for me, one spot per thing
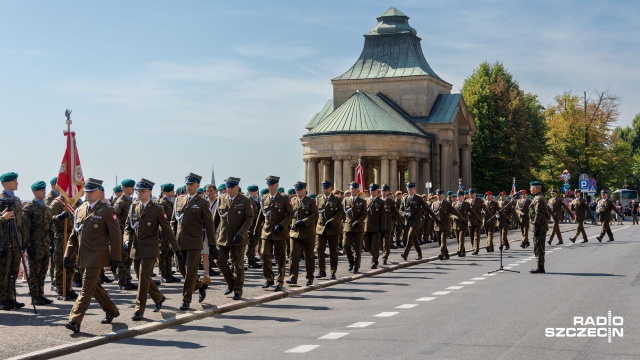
(555, 206)
(504, 219)
(233, 218)
(142, 239)
(121, 207)
(400, 229)
(538, 217)
(522, 211)
(53, 193)
(356, 214)
(165, 259)
(190, 215)
(38, 221)
(442, 210)
(97, 241)
(10, 243)
(59, 213)
(476, 207)
(302, 233)
(411, 208)
(490, 220)
(328, 228)
(252, 194)
(375, 222)
(580, 205)
(604, 208)
(275, 216)
(460, 225)
(392, 218)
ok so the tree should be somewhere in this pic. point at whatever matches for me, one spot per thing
(510, 137)
(580, 139)
(631, 136)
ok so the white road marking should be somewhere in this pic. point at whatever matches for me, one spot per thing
(302, 349)
(478, 278)
(441, 293)
(361, 324)
(514, 264)
(387, 314)
(558, 248)
(406, 306)
(521, 261)
(332, 336)
(467, 282)
(454, 287)
(425, 299)
(492, 274)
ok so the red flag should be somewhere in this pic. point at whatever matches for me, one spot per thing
(70, 178)
(513, 188)
(360, 175)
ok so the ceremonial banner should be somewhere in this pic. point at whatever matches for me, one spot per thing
(360, 175)
(70, 178)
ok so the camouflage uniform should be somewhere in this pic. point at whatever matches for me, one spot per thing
(165, 260)
(538, 216)
(10, 254)
(39, 223)
(57, 206)
(121, 207)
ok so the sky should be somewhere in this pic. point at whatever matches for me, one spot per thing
(162, 88)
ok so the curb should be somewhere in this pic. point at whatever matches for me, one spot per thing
(98, 340)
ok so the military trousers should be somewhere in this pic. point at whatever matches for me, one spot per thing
(143, 269)
(490, 230)
(372, 243)
(504, 234)
(606, 229)
(321, 247)
(524, 229)
(387, 240)
(9, 268)
(251, 247)
(580, 230)
(271, 248)
(59, 273)
(398, 234)
(124, 268)
(38, 271)
(412, 241)
(165, 259)
(474, 237)
(235, 279)
(91, 288)
(538, 247)
(441, 236)
(460, 235)
(189, 271)
(353, 239)
(305, 246)
(555, 231)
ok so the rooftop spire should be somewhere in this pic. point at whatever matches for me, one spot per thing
(393, 21)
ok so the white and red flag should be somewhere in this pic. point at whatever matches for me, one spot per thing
(70, 178)
(360, 175)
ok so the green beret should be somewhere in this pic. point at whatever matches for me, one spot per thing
(222, 187)
(466, 192)
(313, 196)
(128, 183)
(117, 189)
(264, 191)
(280, 189)
(38, 185)
(535, 183)
(200, 190)
(252, 188)
(10, 176)
(449, 192)
(54, 181)
(291, 191)
(167, 187)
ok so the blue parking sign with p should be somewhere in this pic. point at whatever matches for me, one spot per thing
(584, 184)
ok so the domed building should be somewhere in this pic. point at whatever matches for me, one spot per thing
(394, 114)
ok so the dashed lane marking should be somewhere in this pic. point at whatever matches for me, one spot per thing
(454, 287)
(507, 267)
(332, 336)
(441, 293)
(406, 306)
(492, 274)
(478, 278)
(387, 314)
(361, 324)
(425, 299)
(302, 349)
(467, 282)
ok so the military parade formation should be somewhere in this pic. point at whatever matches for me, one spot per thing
(209, 227)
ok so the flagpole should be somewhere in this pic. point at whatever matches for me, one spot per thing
(67, 113)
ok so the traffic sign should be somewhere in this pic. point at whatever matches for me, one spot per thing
(567, 186)
(592, 182)
(583, 184)
(583, 177)
(593, 190)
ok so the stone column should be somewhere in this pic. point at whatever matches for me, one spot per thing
(337, 172)
(445, 165)
(369, 176)
(347, 173)
(466, 165)
(306, 170)
(413, 169)
(426, 173)
(393, 173)
(384, 170)
(312, 183)
(326, 170)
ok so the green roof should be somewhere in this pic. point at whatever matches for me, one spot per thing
(443, 111)
(366, 113)
(319, 116)
(391, 49)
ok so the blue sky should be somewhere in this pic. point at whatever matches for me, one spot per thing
(162, 88)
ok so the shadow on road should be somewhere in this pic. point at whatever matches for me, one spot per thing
(257, 318)
(583, 274)
(332, 297)
(225, 329)
(164, 343)
(309, 307)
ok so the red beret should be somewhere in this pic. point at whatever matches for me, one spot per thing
(488, 193)
(503, 193)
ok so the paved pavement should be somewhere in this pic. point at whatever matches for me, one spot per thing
(443, 309)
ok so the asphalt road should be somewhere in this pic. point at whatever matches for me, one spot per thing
(439, 310)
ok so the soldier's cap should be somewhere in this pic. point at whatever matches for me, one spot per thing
(411, 184)
(385, 187)
(264, 191)
(604, 191)
(578, 191)
(455, 195)
(398, 192)
(168, 187)
(192, 179)
(439, 192)
(326, 184)
(354, 185)
(502, 193)
(313, 196)
(201, 190)
(181, 190)
(523, 192)
(117, 188)
(53, 181)
(488, 192)
(472, 191)
(272, 180)
(92, 185)
(466, 192)
(144, 184)
(300, 185)
(10, 176)
(38, 185)
(373, 187)
(536, 183)
(449, 192)
(291, 191)
(128, 183)
(552, 191)
(221, 187)
(231, 182)
(336, 192)
(460, 192)
(253, 188)
(281, 189)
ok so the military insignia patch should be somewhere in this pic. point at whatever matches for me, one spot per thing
(115, 217)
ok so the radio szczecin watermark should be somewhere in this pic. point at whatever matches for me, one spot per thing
(590, 327)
